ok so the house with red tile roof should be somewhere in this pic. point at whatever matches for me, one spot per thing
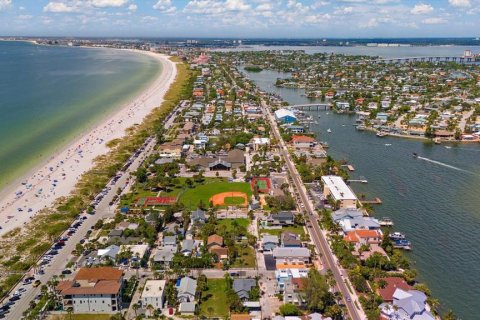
(392, 284)
(364, 236)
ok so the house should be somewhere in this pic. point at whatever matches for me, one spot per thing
(198, 216)
(411, 304)
(187, 308)
(188, 246)
(341, 194)
(391, 285)
(283, 218)
(164, 256)
(220, 253)
(115, 233)
(292, 292)
(316, 316)
(346, 213)
(124, 225)
(214, 240)
(291, 257)
(170, 241)
(359, 223)
(269, 242)
(93, 290)
(186, 289)
(285, 116)
(242, 287)
(294, 128)
(364, 236)
(153, 294)
(293, 275)
(303, 141)
(290, 240)
(109, 252)
(258, 143)
(188, 128)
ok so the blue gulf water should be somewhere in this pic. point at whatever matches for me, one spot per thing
(434, 200)
(48, 95)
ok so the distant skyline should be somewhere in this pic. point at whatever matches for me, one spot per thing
(241, 18)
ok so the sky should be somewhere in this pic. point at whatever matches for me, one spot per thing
(241, 18)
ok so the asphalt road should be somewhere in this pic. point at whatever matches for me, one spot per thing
(315, 232)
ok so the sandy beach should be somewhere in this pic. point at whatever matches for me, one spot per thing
(58, 176)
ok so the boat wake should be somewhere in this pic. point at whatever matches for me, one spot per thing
(444, 165)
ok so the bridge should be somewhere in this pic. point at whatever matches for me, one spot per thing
(312, 106)
(419, 59)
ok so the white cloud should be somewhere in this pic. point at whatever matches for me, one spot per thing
(165, 6)
(460, 3)
(108, 3)
(132, 7)
(344, 10)
(59, 7)
(149, 19)
(434, 21)
(70, 6)
(216, 7)
(371, 23)
(421, 8)
(24, 17)
(4, 4)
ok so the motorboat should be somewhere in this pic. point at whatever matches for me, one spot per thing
(397, 236)
(381, 134)
(386, 222)
(329, 130)
(415, 155)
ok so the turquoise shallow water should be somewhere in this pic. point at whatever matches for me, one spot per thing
(434, 200)
(48, 95)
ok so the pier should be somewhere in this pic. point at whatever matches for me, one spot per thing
(349, 167)
(374, 201)
(358, 180)
(312, 106)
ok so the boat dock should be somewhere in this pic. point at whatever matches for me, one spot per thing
(349, 167)
(374, 201)
(358, 180)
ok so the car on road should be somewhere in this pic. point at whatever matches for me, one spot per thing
(348, 299)
(67, 271)
(37, 283)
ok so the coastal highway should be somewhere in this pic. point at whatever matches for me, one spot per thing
(103, 210)
(315, 232)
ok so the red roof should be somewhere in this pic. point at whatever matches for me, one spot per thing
(302, 139)
(356, 235)
(393, 283)
(96, 274)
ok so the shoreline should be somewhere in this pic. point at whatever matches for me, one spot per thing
(57, 175)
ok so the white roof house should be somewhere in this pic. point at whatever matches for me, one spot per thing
(335, 187)
(153, 293)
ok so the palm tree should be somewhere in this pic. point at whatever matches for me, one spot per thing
(135, 307)
(150, 309)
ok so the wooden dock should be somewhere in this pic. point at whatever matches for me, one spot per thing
(374, 201)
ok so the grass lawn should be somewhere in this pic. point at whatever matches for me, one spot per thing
(214, 300)
(192, 197)
(233, 201)
(293, 229)
(80, 317)
(245, 259)
(228, 223)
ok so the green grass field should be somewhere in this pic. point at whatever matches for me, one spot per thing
(234, 201)
(192, 197)
(214, 300)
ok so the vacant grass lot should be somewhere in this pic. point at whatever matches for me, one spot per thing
(230, 224)
(192, 197)
(246, 258)
(277, 232)
(214, 300)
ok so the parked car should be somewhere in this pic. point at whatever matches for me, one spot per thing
(37, 283)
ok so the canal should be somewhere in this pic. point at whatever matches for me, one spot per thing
(434, 199)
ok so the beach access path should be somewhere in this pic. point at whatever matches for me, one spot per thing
(57, 178)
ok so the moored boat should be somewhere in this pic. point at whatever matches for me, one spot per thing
(381, 134)
(397, 236)
(386, 222)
